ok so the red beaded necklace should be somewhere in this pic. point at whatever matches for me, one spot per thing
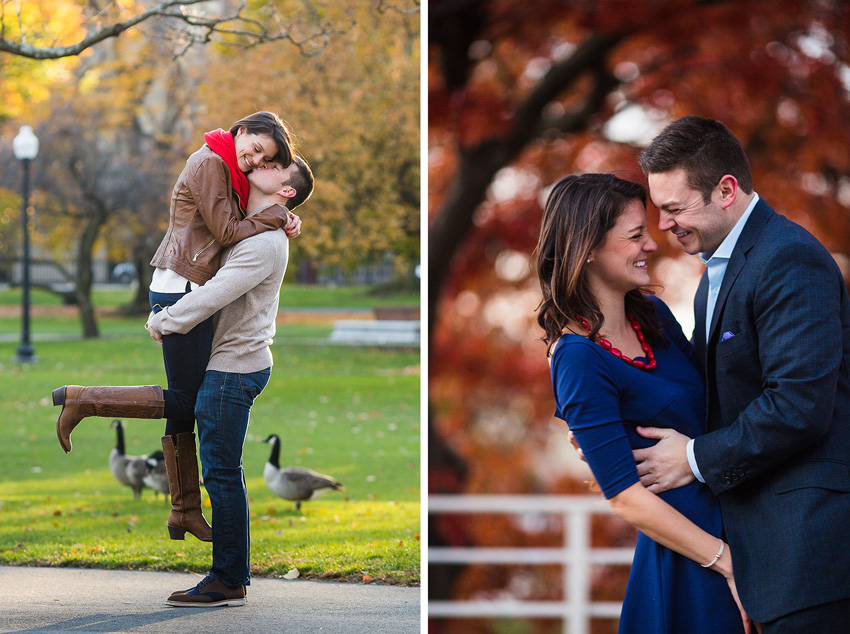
(640, 365)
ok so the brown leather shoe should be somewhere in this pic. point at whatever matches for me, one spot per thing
(78, 402)
(181, 465)
(209, 593)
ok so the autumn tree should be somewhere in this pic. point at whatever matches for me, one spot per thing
(120, 120)
(354, 110)
(519, 97)
(91, 176)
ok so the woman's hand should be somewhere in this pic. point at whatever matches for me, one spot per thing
(724, 567)
(293, 226)
(750, 626)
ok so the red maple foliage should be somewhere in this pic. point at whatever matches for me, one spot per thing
(520, 94)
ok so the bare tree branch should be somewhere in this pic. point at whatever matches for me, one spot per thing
(231, 27)
(253, 32)
(411, 24)
(384, 6)
(24, 49)
(479, 164)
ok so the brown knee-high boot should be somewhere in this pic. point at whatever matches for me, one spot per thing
(181, 465)
(132, 401)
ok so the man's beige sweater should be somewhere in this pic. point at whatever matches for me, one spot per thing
(245, 291)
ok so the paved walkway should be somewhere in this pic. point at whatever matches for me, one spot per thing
(72, 600)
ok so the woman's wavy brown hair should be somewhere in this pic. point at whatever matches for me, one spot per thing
(580, 211)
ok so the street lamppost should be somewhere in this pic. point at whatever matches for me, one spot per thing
(25, 148)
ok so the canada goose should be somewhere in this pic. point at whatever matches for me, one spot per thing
(156, 477)
(119, 461)
(294, 483)
(136, 470)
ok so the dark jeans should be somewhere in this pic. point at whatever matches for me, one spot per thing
(186, 357)
(224, 404)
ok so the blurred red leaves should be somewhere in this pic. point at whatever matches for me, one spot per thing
(776, 72)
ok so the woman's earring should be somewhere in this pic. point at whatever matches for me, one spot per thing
(588, 260)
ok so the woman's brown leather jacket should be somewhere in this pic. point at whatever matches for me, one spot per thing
(205, 218)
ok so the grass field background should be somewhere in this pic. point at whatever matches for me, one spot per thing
(351, 412)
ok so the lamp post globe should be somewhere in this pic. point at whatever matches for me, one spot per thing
(25, 144)
(25, 149)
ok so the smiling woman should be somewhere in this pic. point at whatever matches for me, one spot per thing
(618, 360)
(253, 150)
(260, 137)
(620, 262)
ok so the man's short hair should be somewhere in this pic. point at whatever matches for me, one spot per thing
(706, 149)
(302, 181)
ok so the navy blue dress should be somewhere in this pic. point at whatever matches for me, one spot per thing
(603, 399)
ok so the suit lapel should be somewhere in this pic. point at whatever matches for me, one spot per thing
(759, 217)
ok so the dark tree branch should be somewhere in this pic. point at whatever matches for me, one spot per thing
(98, 35)
(199, 29)
(250, 32)
(479, 164)
(384, 6)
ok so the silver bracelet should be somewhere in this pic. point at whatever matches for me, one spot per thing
(717, 556)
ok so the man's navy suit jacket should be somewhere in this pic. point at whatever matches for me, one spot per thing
(777, 451)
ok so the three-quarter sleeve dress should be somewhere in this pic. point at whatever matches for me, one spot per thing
(603, 399)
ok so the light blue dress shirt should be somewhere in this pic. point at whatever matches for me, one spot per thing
(715, 264)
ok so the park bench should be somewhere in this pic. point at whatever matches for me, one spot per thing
(391, 326)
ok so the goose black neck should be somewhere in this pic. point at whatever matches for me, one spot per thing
(119, 430)
(274, 459)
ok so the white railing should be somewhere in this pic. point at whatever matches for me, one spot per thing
(575, 557)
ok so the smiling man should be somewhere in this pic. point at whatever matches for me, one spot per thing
(772, 338)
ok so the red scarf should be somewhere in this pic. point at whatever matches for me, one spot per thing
(221, 142)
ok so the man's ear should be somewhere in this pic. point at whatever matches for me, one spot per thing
(728, 188)
(287, 192)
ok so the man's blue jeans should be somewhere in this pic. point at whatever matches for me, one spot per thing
(185, 357)
(222, 410)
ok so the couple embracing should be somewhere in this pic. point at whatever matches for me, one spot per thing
(214, 298)
(730, 452)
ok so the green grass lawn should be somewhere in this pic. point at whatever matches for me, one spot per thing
(291, 295)
(350, 412)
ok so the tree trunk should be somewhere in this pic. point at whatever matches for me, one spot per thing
(143, 252)
(84, 276)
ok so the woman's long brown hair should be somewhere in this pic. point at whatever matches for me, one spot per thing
(580, 211)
